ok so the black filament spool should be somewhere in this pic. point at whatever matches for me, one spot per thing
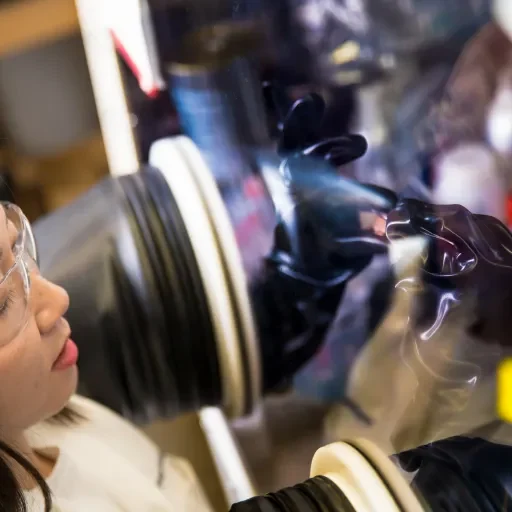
(181, 342)
(174, 305)
(137, 393)
(187, 287)
(318, 494)
(152, 348)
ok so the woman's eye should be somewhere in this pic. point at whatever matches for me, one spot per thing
(13, 241)
(6, 303)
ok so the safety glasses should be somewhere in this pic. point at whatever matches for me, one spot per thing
(18, 257)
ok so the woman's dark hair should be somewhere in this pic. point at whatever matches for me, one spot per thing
(11, 493)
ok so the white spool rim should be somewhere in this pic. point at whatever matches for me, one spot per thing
(233, 262)
(400, 488)
(355, 476)
(166, 155)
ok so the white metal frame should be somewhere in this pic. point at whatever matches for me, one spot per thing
(108, 86)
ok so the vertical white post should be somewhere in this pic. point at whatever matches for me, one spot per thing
(107, 82)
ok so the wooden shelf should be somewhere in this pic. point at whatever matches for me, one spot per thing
(28, 23)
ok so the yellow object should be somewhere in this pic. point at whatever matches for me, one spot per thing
(504, 390)
(347, 52)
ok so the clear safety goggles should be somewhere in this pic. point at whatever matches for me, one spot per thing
(18, 257)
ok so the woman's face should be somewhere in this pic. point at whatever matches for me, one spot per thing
(31, 388)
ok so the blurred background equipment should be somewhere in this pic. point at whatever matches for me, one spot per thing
(51, 142)
(46, 102)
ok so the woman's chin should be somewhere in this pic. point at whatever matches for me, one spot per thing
(64, 387)
(71, 377)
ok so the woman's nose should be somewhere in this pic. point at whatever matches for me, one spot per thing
(49, 302)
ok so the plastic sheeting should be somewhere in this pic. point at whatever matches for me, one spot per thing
(428, 371)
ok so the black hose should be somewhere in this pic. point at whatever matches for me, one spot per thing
(318, 494)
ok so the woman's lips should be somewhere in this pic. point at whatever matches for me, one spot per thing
(68, 356)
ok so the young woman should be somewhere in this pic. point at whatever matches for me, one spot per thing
(58, 451)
